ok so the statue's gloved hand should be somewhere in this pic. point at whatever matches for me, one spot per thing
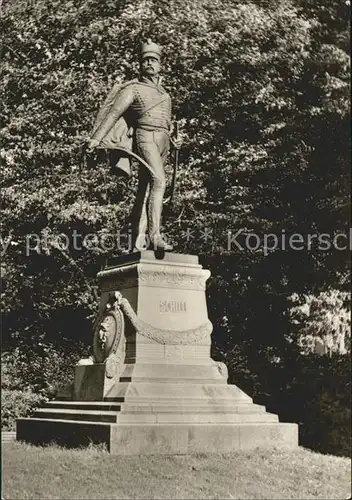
(92, 144)
(177, 142)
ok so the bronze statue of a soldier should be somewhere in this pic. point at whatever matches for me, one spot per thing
(135, 121)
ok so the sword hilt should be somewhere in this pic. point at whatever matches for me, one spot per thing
(177, 129)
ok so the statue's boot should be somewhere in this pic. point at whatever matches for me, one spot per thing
(140, 242)
(139, 214)
(157, 243)
(155, 207)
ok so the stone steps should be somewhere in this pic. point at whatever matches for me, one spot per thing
(196, 401)
(156, 407)
(81, 415)
(96, 425)
(151, 417)
(176, 390)
(179, 380)
(7, 436)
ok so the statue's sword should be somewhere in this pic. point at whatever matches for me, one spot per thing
(174, 175)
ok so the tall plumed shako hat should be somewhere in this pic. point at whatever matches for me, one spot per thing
(150, 48)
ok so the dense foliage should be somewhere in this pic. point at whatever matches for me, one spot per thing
(261, 90)
(17, 404)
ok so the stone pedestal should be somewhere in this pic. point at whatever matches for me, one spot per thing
(153, 387)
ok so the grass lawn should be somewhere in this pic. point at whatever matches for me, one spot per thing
(92, 473)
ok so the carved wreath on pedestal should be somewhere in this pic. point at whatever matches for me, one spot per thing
(109, 334)
(109, 338)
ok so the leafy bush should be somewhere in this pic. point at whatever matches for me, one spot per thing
(43, 372)
(322, 322)
(312, 390)
(327, 424)
(322, 395)
(16, 404)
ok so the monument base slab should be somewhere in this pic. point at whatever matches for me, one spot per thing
(153, 387)
(160, 438)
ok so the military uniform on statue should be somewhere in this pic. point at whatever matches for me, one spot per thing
(137, 115)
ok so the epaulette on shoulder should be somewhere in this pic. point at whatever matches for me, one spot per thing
(129, 82)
